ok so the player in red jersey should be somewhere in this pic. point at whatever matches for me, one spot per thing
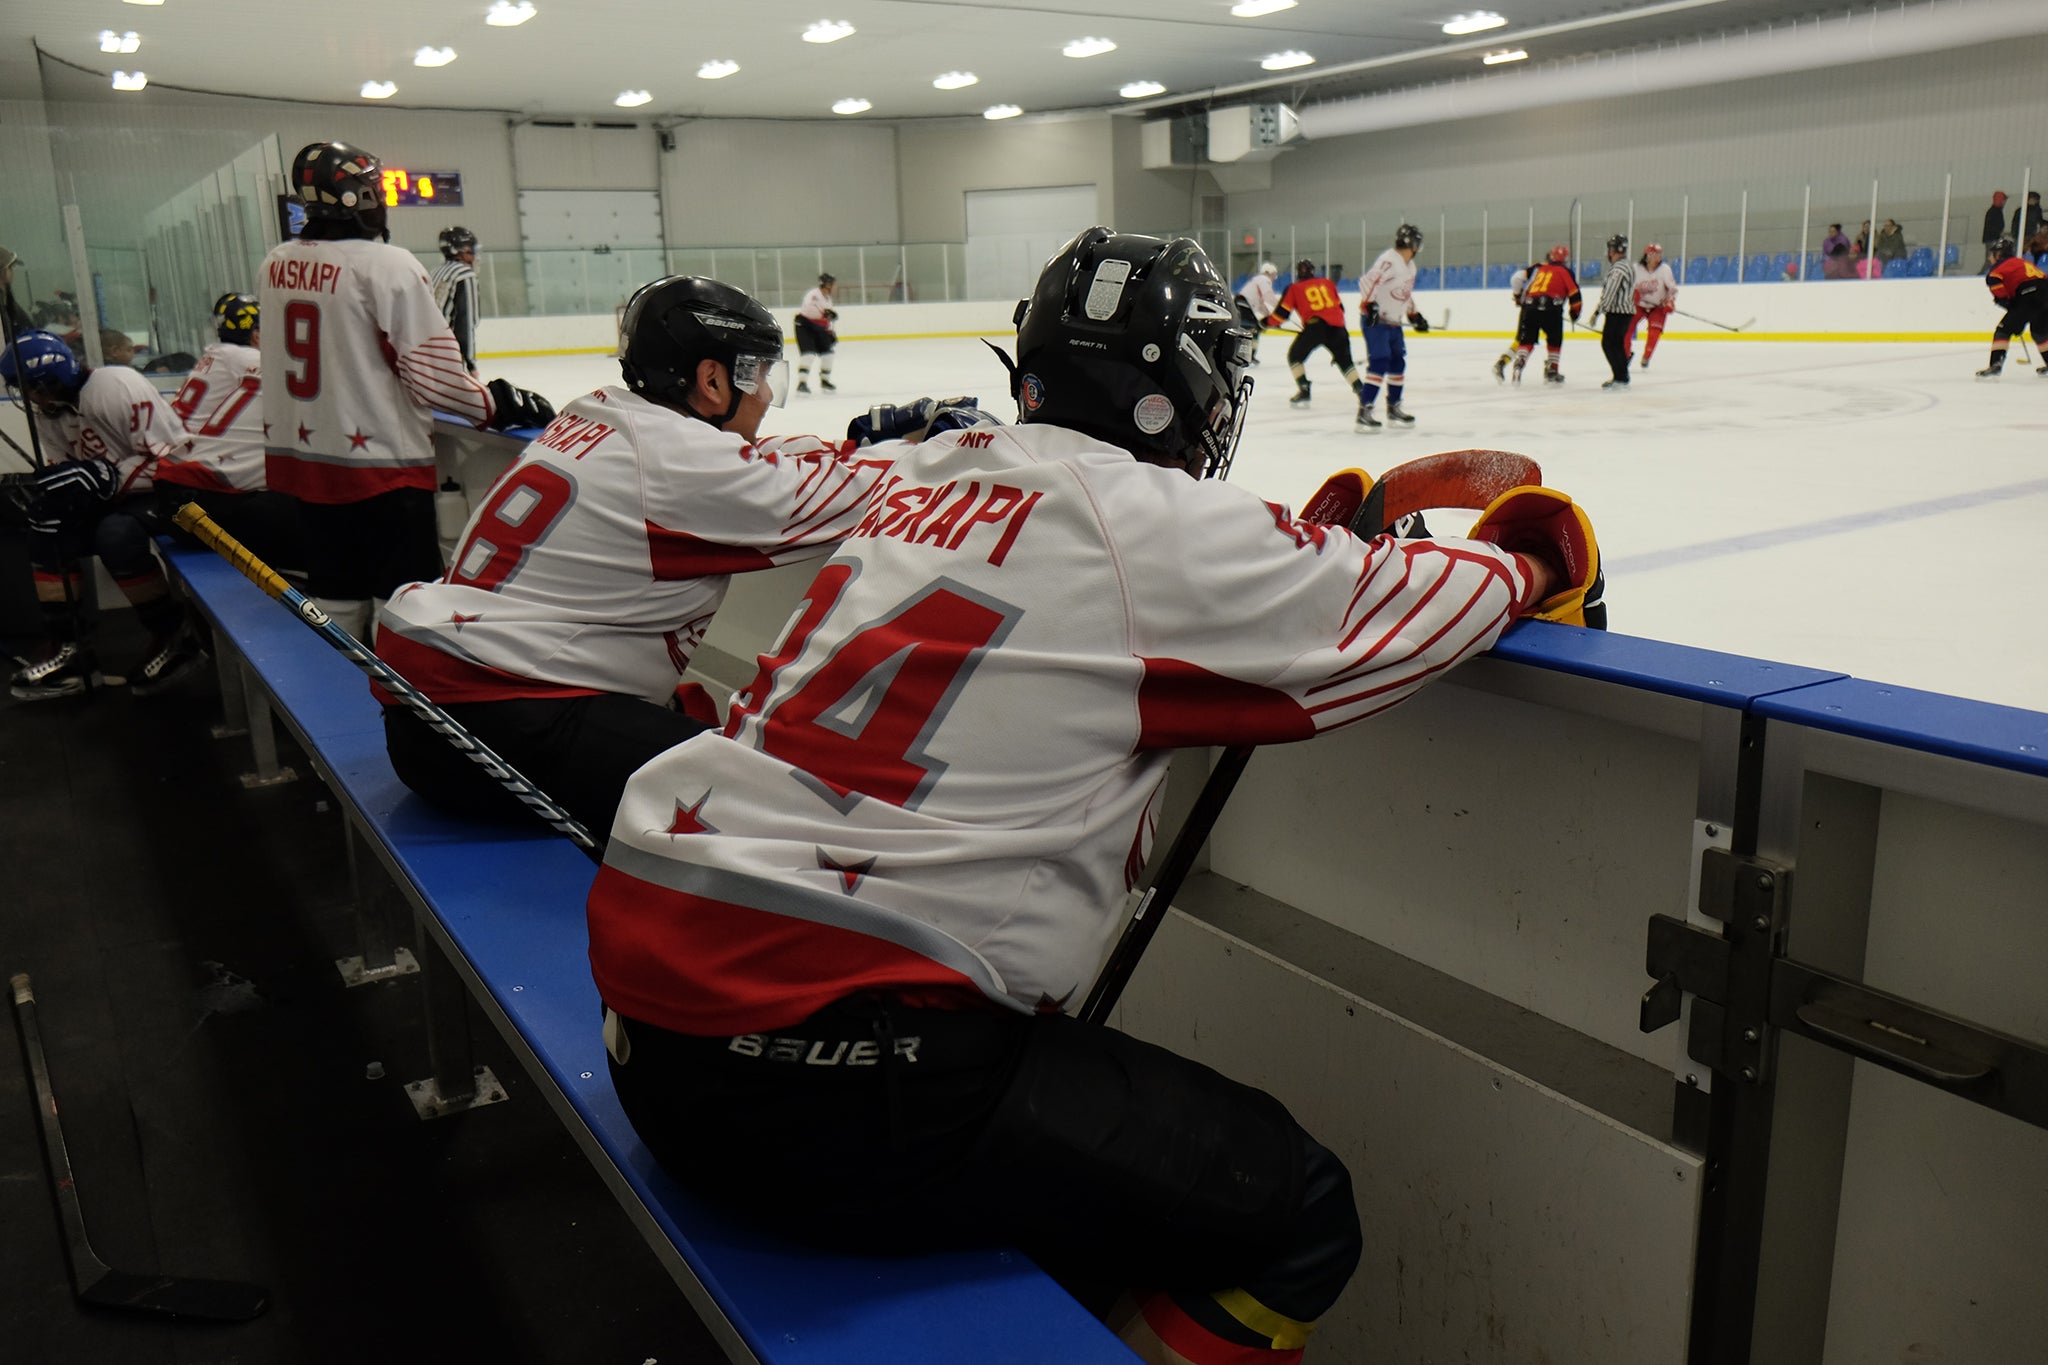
(2020, 285)
(1314, 296)
(1548, 290)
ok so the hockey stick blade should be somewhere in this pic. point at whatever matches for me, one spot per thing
(93, 1281)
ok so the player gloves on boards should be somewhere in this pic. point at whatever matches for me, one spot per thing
(918, 420)
(513, 408)
(1549, 526)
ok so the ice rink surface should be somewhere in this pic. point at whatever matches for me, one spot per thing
(1863, 507)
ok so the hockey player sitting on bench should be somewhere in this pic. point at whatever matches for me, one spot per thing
(836, 941)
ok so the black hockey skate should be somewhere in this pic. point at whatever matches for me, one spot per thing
(62, 671)
(1399, 414)
(1300, 399)
(1366, 421)
(1992, 370)
(1551, 375)
(1500, 370)
(172, 658)
(825, 383)
(1519, 363)
(803, 386)
(1615, 384)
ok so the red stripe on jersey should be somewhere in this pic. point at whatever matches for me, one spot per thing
(1198, 1345)
(445, 678)
(678, 555)
(317, 481)
(694, 965)
(190, 474)
(1181, 705)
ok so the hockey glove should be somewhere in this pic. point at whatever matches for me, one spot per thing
(1575, 312)
(1418, 322)
(516, 408)
(917, 420)
(1338, 500)
(831, 315)
(1547, 525)
(1370, 314)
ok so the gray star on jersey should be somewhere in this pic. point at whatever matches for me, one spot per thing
(850, 874)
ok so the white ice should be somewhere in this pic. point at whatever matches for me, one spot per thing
(1862, 507)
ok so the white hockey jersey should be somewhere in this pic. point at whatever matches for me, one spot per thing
(220, 408)
(597, 560)
(1391, 284)
(357, 357)
(123, 421)
(945, 776)
(815, 306)
(1656, 288)
(1261, 293)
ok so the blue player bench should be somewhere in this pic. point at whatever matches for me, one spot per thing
(505, 907)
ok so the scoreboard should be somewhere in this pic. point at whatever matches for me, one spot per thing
(403, 188)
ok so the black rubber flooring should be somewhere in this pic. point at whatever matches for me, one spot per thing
(213, 1078)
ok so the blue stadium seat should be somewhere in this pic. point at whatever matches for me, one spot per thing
(1426, 277)
(1719, 271)
(1954, 255)
(1758, 270)
(1498, 276)
(1696, 271)
(1779, 263)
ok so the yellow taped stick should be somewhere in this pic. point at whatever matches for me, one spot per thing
(192, 517)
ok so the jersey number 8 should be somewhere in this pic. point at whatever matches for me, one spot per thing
(523, 507)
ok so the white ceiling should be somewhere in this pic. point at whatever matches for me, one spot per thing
(574, 58)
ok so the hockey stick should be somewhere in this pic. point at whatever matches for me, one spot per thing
(1458, 478)
(1711, 323)
(93, 1281)
(191, 518)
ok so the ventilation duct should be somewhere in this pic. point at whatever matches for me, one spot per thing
(1251, 132)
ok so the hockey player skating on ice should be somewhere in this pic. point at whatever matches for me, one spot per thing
(455, 289)
(1546, 293)
(816, 337)
(102, 432)
(356, 359)
(1314, 296)
(585, 582)
(903, 858)
(1386, 296)
(1617, 310)
(221, 406)
(1656, 296)
(2020, 285)
(1256, 301)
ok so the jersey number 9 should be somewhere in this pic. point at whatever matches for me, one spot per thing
(302, 343)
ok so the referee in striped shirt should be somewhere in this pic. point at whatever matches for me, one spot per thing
(1618, 303)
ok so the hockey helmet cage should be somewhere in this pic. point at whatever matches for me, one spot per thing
(1135, 340)
(675, 323)
(1304, 269)
(1408, 235)
(455, 241)
(1267, 268)
(235, 318)
(339, 183)
(2003, 248)
(42, 366)
(1559, 254)
(1618, 242)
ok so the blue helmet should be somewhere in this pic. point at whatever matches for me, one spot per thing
(41, 362)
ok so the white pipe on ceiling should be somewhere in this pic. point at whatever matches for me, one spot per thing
(1863, 37)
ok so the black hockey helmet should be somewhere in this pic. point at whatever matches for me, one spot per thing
(235, 318)
(1304, 269)
(455, 241)
(1134, 340)
(339, 183)
(1408, 235)
(828, 280)
(1618, 243)
(676, 322)
(2002, 248)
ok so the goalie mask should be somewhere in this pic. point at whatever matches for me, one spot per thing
(676, 323)
(1135, 341)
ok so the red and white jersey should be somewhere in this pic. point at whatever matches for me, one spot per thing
(358, 357)
(945, 776)
(1656, 288)
(1261, 293)
(1390, 284)
(597, 560)
(123, 421)
(221, 408)
(816, 304)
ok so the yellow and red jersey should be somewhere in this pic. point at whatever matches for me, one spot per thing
(1547, 281)
(1314, 297)
(2009, 274)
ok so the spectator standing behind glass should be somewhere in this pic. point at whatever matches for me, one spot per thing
(1834, 254)
(1994, 227)
(1891, 242)
(2028, 222)
(2037, 248)
(1863, 239)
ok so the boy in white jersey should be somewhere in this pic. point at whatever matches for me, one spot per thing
(836, 940)
(356, 359)
(816, 338)
(220, 404)
(102, 432)
(1256, 301)
(586, 580)
(1386, 295)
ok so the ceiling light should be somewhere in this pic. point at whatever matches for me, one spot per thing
(1088, 47)
(827, 31)
(718, 69)
(995, 111)
(111, 41)
(855, 105)
(507, 13)
(145, 2)
(955, 80)
(1478, 21)
(1252, 9)
(1282, 61)
(129, 80)
(379, 90)
(1496, 58)
(632, 99)
(433, 56)
(1138, 90)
